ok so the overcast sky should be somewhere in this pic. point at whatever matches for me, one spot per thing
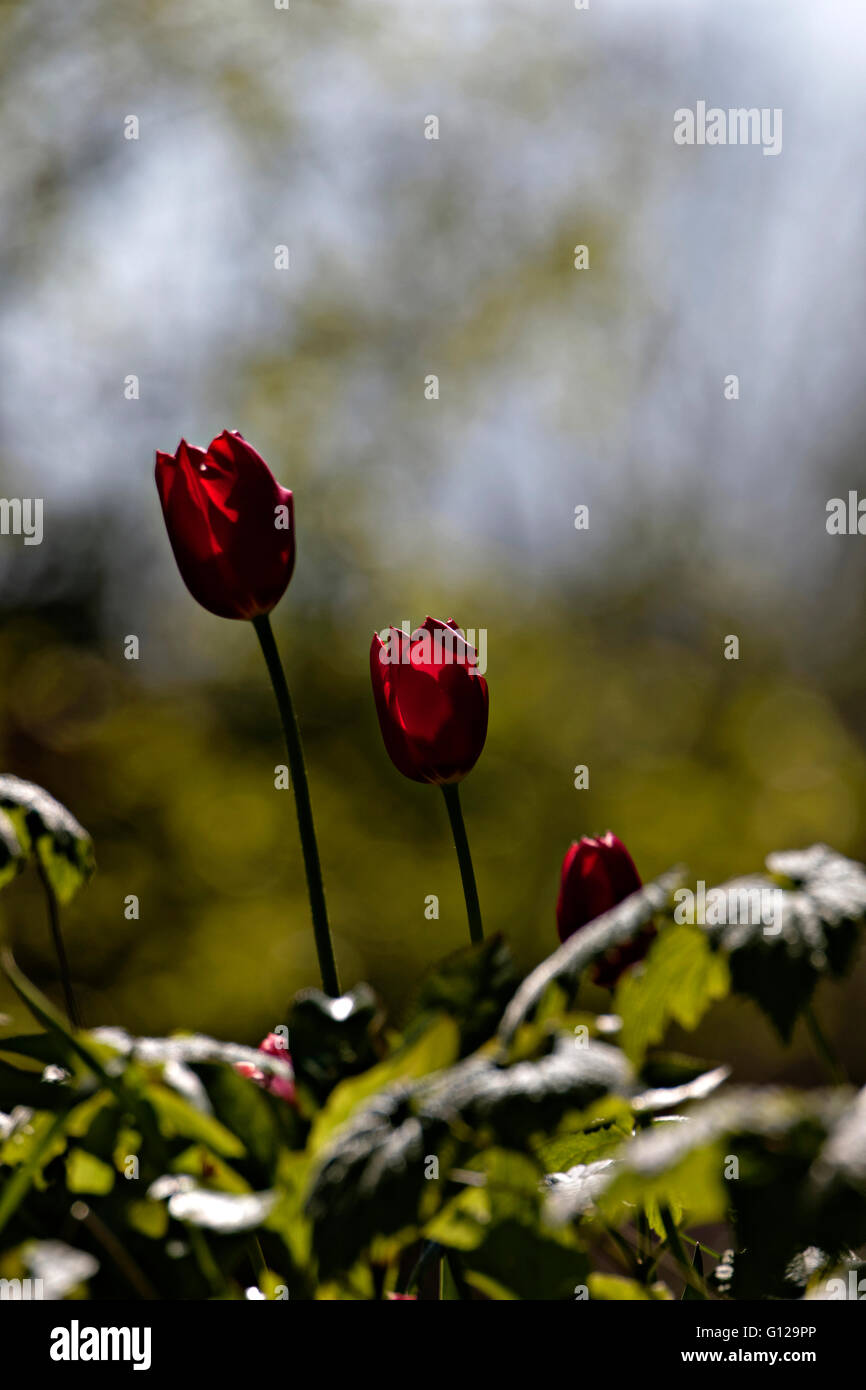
(259, 127)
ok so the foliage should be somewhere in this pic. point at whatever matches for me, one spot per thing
(521, 1147)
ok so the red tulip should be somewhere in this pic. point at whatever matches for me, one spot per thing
(431, 701)
(230, 524)
(273, 1046)
(597, 873)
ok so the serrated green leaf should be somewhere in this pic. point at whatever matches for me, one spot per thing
(681, 977)
(815, 930)
(371, 1177)
(565, 967)
(750, 1156)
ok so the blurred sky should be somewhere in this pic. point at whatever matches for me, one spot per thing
(410, 256)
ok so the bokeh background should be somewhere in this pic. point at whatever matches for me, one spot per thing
(604, 387)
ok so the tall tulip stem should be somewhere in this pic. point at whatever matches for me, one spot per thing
(298, 773)
(451, 793)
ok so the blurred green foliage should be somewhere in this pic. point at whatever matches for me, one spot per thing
(692, 758)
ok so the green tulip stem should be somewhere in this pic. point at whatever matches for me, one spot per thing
(298, 773)
(57, 937)
(451, 793)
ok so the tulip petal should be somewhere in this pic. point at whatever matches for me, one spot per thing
(220, 507)
(432, 705)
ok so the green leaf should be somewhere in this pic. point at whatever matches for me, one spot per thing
(616, 1288)
(177, 1118)
(331, 1039)
(577, 1190)
(566, 965)
(681, 977)
(753, 1156)
(530, 1262)
(584, 1146)
(72, 1044)
(24, 1136)
(88, 1174)
(209, 1170)
(499, 1183)
(86, 1048)
(12, 856)
(148, 1218)
(435, 1048)
(501, 1234)
(473, 987)
(51, 834)
(371, 1179)
(95, 1121)
(47, 1133)
(448, 1289)
(814, 932)
(247, 1111)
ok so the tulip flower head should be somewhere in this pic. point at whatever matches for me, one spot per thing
(230, 524)
(431, 701)
(597, 873)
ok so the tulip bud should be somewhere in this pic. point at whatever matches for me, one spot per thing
(431, 702)
(230, 524)
(597, 873)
